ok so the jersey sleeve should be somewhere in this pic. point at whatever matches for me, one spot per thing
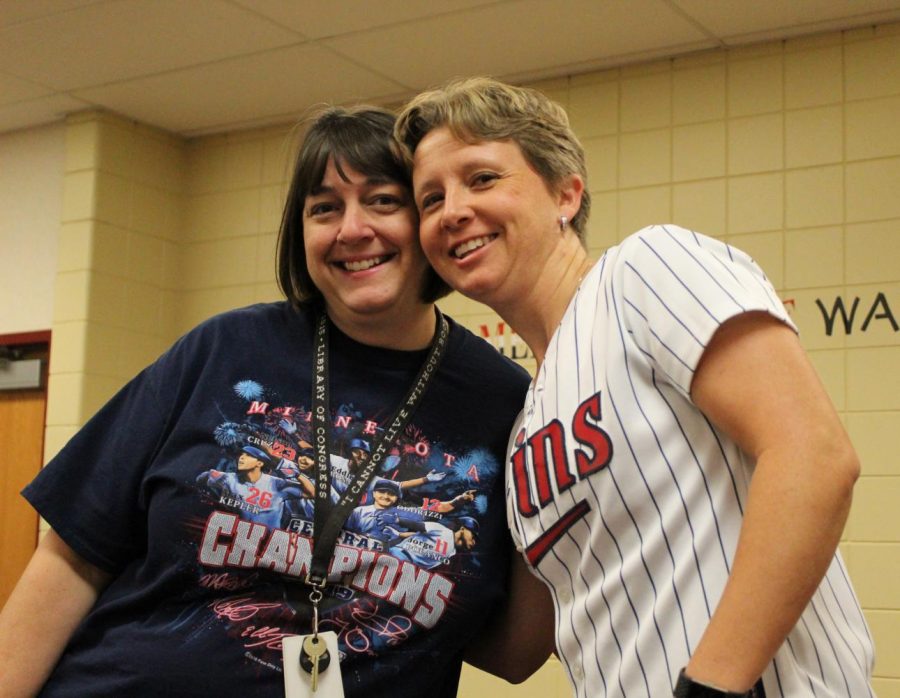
(678, 287)
(91, 491)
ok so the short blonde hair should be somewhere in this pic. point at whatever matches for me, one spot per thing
(484, 109)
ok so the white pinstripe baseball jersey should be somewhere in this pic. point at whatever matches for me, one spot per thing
(629, 503)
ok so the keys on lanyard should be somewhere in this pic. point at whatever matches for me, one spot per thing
(314, 655)
(314, 658)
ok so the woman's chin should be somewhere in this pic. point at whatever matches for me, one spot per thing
(478, 287)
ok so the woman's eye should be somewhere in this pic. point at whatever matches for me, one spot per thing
(386, 201)
(429, 200)
(320, 209)
(483, 178)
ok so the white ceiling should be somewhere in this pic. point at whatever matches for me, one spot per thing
(202, 66)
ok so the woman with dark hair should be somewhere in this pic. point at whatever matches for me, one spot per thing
(169, 571)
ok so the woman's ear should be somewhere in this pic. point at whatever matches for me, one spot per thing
(569, 195)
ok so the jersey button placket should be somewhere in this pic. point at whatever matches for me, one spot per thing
(532, 397)
(529, 410)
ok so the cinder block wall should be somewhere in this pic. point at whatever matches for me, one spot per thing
(234, 194)
(114, 300)
(788, 150)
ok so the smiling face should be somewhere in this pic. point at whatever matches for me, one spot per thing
(384, 499)
(489, 222)
(249, 467)
(361, 246)
(358, 456)
(247, 462)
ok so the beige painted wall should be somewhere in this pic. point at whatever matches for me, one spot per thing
(119, 248)
(789, 150)
(31, 172)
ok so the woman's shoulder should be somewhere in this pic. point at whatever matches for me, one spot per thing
(260, 326)
(251, 320)
(662, 241)
(484, 357)
(256, 312)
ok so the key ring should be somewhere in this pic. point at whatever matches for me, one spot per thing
(314, 597)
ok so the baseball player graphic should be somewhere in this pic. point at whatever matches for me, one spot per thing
(299, 509)
(382, 520)
(343, 470)
(359, 453)
(429, 544)
(300, 471)
(678, 477)
(372, 519)
(303, 465)
(257, 496)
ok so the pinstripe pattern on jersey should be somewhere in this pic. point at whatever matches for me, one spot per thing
(574, 539)
(637, 576)
(630, 388)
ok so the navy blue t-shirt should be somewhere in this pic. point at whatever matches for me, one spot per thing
(189, 486)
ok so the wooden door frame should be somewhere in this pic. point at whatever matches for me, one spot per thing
(19, 338)
(34, 344)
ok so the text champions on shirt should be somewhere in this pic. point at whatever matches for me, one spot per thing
(229, 541)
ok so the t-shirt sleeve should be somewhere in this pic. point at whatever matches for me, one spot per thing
(678, 287)
(90, 493)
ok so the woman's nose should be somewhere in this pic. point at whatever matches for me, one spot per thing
(456, 210)
(356, 226)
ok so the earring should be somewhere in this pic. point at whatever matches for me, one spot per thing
(563, 223)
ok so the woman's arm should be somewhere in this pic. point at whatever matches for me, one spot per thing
(756, 384)
(520, 636)
(54, 593)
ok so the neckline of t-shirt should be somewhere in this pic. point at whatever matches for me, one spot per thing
(381, 357)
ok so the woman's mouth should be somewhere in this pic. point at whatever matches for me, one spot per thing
(363, 264)
(470, 246)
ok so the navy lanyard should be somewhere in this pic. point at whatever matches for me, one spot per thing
(330, 517)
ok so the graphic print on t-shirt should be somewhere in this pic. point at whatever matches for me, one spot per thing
(402, 551)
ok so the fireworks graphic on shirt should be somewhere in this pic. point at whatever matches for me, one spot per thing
(229, 434)
(249, 390)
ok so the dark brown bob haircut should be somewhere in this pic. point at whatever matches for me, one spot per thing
(358, 137)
